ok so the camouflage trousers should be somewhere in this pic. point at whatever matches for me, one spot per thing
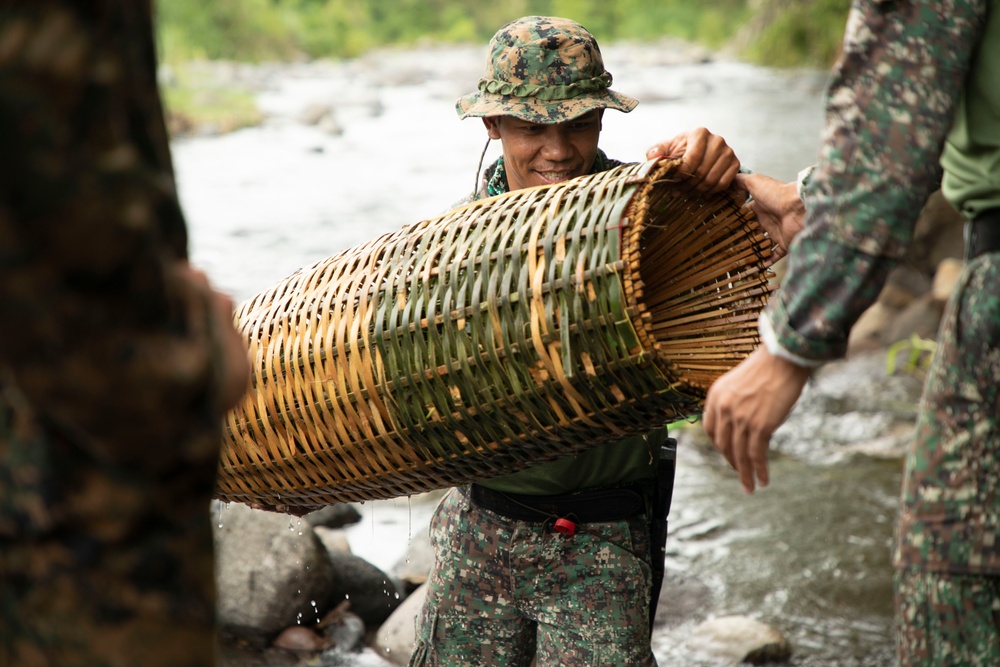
(102, 565)
(503, 590)
(947, 547)
(947, 619)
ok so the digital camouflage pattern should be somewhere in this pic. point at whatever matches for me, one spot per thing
(948, 619)
(543, 69)
(502, 589)
(109, 436)
(948, 592)
(950, 518)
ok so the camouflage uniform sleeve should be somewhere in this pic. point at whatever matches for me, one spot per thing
(889, 108)
(98, 331)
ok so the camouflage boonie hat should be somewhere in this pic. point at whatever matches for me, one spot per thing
(543, 69)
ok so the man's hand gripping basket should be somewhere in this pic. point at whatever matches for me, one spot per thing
(508, 332)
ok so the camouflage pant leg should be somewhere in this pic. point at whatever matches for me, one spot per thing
(499, 588)
(950, 511)
(947, 619)
(97, 570)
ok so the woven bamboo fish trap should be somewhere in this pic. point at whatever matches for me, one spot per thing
(508, 332)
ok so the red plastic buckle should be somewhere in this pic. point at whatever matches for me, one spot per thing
(565, 526)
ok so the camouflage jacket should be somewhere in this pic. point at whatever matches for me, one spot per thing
(109, 437)
(889, 109)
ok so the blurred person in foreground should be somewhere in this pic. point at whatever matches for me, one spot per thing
(117, 359)
(506, 583)
(916, 94)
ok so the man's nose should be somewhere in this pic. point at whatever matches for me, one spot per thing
(557, 146)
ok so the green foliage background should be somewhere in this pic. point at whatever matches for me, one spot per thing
(774, 32)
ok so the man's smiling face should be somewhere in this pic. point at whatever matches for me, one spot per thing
(538, 154)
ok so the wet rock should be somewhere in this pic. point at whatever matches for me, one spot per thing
(271, 570)
(373, 594)
(314, 113)
(334, 540)
(937, 235)
(921, 318)
(905, 284)
(741, 639)
(329, 125)
(946, 277)
(867, 334)
(298, 638)
(344, 630)
(334, 516)
(323, 117)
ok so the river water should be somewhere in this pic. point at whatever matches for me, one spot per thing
(810, 554)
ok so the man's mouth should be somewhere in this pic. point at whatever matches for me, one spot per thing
(556, 176)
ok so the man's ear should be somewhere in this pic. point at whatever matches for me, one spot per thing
(492, 124)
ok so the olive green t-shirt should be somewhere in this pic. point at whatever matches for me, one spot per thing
(613, 464)
(971, 156)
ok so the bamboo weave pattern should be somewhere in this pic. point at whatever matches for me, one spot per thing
(508, 332)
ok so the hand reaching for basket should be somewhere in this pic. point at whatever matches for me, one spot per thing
(778, 207)
(233, 376)
(746, 405)
(706, 157)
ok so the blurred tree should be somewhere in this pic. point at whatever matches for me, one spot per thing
(782, 32)
(787, 33)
